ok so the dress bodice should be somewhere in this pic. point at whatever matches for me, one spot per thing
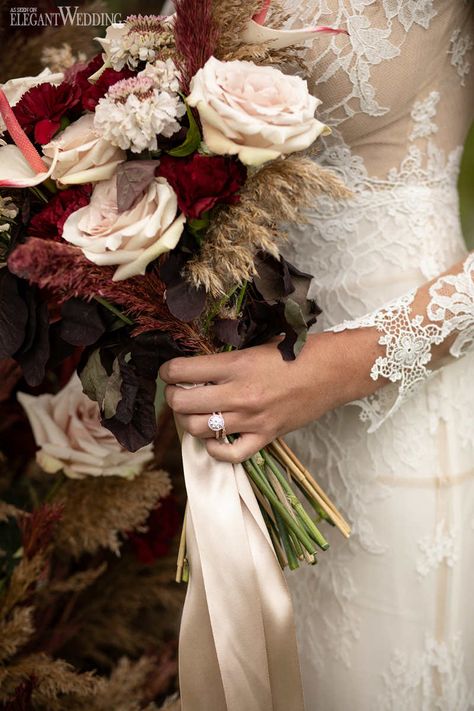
(398, 90)
(398, 93)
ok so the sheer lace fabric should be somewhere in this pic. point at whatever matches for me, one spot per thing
(384, 621)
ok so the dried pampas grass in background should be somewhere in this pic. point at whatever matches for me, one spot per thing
(97, 511)
(277, 194)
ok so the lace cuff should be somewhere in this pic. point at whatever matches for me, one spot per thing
(409, 337)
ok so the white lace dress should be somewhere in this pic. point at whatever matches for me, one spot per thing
(385, 621)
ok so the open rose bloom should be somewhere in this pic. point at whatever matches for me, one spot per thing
(130, 239)
(70, 437)
(255, 112)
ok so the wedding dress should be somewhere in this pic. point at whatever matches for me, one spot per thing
(385, 620)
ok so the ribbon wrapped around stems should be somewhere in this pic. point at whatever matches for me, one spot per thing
(237, 649)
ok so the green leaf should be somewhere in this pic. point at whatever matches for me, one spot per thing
(193, 138)
(105, 389)
(94, 378)
(295, 317)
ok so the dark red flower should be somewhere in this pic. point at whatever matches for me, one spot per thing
(92, 92)
(41, 109)
(203, 181)
(49, 223)
(163, 524)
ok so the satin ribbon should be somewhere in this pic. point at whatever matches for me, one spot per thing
(237, 648)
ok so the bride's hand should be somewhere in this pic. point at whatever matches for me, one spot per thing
(261, 396)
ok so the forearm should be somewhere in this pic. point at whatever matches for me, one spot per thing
(404, 341)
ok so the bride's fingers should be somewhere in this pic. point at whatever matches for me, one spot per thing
(241, 449)
(201, 400)
(198, 426)
(198, 369)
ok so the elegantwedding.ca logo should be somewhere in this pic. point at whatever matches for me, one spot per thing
(65, 15)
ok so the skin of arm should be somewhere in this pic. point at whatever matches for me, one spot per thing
(262, 397)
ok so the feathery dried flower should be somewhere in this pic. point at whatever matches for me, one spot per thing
(37, 528)
(134, 111)
(275, 195)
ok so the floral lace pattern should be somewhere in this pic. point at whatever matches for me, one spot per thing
(409, 681)
(460, 46)
(389, 90)
(434, 550)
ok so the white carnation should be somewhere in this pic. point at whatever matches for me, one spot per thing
(134, 112)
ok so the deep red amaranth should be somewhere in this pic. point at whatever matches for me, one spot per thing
(37, 528)
(196, 35)
(66, 273)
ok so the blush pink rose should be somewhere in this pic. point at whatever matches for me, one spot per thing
(70, 437)
(79, 155)
(130, 239)
(255, 112)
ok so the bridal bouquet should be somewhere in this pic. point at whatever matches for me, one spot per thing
(143, 197)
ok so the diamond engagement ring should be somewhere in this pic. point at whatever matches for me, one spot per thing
(216, 424)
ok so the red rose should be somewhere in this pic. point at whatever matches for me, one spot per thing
(78, 75)
(163, 524)
(49, 223)
(203, 181)
(41, 109)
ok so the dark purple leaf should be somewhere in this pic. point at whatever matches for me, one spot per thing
(13, 315)
(81, 323)
(229, 331)
(184, 301)
(133, 177)
(35, 353)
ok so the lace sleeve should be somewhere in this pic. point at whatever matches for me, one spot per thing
(416, 332)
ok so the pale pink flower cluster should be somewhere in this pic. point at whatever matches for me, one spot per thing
(134, 111)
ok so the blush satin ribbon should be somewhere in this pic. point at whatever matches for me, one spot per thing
(237, 648)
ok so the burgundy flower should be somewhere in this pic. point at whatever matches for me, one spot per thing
(91, 93)
(163, 524)
(49, 223)
(41, 109)
(203, 181)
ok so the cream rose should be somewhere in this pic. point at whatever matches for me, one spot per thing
(67, 430)
(81, 155)
(130, 239)
(256, 112)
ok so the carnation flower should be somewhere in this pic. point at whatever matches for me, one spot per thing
(40, 109)
(164, 75)
(201, 182)
(91, 92)
(70, 436)
(48, 224)
(141, 38)
(58, 59)
(134, 112)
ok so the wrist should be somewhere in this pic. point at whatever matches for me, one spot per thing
(344, 360)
